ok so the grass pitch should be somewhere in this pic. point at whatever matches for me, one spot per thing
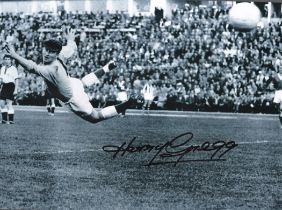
(58, 162)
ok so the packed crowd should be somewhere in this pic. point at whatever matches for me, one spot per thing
(194, 59)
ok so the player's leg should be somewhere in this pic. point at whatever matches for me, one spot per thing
(149, 105)
(50, 103)
(53, 106)
(6, 93)
(112, 111)
(278, 101)
(93, 77)
(280, 113)
(48, 106)
(4, 111)
(11, 111)
(81, 106)
(145, 104)
(9, 102)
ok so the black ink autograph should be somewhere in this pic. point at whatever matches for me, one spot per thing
(175, 150)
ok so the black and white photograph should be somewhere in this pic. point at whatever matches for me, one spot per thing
(141, 104)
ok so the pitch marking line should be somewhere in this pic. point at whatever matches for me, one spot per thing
(200, 116)
(40, 110)
(66, 151)
(179, 115)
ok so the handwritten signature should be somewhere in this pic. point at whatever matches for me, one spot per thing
(174, 151)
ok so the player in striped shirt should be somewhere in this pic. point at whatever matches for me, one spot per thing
(65, 88)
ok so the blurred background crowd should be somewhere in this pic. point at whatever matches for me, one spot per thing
(192, 61)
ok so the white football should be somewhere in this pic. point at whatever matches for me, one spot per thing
(245, 16)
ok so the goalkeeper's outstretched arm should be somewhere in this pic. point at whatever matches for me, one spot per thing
(28, 65)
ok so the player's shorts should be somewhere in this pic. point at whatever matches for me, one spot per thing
(148, 97)
(277, 96)
(7, 91)
(79, 103)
